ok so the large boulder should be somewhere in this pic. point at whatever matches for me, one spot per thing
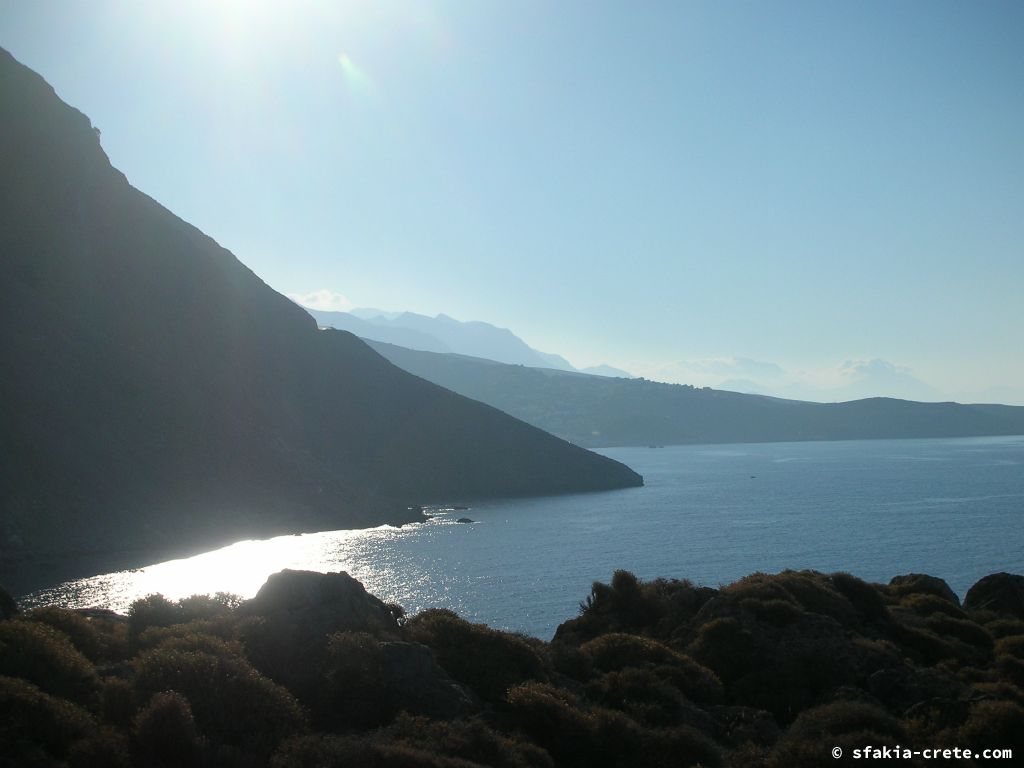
(999, 593)
(922, 584)
(289, 621)
(321, 603)
(414, 679)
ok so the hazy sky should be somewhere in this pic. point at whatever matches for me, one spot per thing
(797, 197)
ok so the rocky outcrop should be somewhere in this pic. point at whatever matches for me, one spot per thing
(998, 592)
(318, 604)
(922, 584)
(413, 678)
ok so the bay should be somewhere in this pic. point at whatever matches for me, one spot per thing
(709, 513)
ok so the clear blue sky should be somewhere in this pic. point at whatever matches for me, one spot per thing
(832, 188)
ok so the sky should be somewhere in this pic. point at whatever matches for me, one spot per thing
(808, 199)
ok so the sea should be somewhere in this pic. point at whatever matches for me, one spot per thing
(952, 508)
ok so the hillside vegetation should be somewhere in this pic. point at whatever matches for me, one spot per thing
(597, 411)
(772, 670)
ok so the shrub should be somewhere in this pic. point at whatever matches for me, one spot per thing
(184, 638)
(556, 720)
(352, 691)
(928, 604)
(165, 731)
(994, 724)
(80, 630)
(923, 645)
(44, 656)
(232, 703)
(106, 748)
(845, 724)
(488, 661)
(781, 613)
(570, 661)
(468, 740)
(1005, 627)
(787, 684)
(33, 723)
(922, 584)
(841, 717)
(348, 752)
(117, 702)
(625, 600)
(816, 594)
(205, 607)
(1010, 669)
(725, 647)
(618, 651)
(1012, 646)
(223, 629)
(963, 630)
(866, 599)
(579, 735)
(679, 746)
(151, 611)
(757, 586)
(1001, 690)
(641, 694)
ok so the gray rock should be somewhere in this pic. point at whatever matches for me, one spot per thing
(321, 603)
(998, 592)
(922, 584)
(904, 687)
(419, 686)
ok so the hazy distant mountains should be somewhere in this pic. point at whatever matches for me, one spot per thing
(445, 334)
(594, 411)
(155, 392)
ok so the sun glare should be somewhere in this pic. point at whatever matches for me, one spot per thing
(355, 78)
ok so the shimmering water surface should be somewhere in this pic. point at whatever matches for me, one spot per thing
(952, 508)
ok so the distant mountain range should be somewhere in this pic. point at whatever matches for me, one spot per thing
(597, 412)
(155, 393)
(445, 334)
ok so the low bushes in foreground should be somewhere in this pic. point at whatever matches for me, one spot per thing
(771, 671)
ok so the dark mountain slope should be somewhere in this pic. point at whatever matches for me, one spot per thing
(155, 392)
(598, 411)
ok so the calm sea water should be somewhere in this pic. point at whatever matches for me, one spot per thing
(952, 508)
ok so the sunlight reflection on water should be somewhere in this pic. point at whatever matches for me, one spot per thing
(240, 569)
(710, 515)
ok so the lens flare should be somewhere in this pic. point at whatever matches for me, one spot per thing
(357, 80)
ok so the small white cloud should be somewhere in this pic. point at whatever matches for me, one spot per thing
(713, 371)
(323, 299)
(849, 380)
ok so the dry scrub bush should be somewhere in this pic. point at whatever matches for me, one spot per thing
(44, 656)
(488, 661)
(232, 703)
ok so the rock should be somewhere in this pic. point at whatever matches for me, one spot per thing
(738, 725)
(922, 584)
(8, 607)
(291, 617)
(321, 603)
(998, 592)
(939, 714)
(904, 687)
(414, 680)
